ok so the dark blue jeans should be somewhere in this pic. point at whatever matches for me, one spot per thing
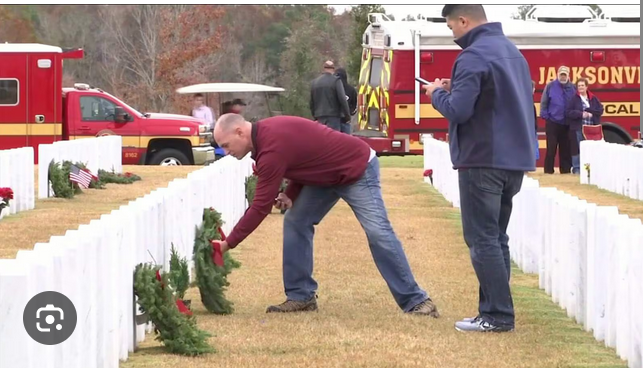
(578, 135)
(486, 197)
(331, 122)
(365, 199)
(346, 128)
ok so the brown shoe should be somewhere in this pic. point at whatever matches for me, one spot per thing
(426, 308)
(309, 305)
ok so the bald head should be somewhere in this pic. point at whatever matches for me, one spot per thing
(229, 121)
(234, 134)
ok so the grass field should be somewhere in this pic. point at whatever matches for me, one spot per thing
(358, 324)
(54, 216)
(591, 193)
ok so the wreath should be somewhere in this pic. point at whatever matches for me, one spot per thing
(175, 328)
(106, 177)
(212, 268)
(61, 185)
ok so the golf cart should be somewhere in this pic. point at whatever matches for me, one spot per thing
(229, 91)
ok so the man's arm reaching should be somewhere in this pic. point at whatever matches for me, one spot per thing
(270, 174)
(458, 105)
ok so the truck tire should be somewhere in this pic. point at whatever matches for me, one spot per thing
(169, 157)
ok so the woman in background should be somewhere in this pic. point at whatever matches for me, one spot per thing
(584, 108)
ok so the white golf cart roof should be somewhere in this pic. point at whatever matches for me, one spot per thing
(228, 88)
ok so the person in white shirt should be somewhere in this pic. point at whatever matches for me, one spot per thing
(201, 111)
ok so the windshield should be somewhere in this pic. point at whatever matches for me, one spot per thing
(124, 105)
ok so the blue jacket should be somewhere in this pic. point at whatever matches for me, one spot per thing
(574, 110)
(490, 107)
(554, 101)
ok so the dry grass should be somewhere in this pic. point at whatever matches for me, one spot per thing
(358, 324)
(591, 193)
(54, 216)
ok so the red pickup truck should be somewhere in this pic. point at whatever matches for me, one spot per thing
(35, 109)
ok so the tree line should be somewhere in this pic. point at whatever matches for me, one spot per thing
(142, 53)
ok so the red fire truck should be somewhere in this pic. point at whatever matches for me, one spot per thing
(35, 109)
(394, 113)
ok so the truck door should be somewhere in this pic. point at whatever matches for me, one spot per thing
(13, 101)
(97, 118)
(42, 127)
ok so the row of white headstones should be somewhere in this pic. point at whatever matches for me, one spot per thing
(93, 266)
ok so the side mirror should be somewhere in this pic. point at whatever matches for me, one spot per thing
(121, 116)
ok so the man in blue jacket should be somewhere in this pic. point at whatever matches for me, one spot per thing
(554, 100)
(489, 105)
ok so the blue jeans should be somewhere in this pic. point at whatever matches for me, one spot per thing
(365, 199)
(331, 122)
(346, 128)
(576, 158)
(486, 197)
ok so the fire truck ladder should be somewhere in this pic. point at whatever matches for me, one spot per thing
(421, 41)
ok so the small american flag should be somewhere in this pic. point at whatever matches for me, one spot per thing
(81, 176)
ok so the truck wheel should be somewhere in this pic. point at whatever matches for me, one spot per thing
(169, 157)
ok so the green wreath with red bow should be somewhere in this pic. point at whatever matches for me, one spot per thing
(174, 323)
(211, 266)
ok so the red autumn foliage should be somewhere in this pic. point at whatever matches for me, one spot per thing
(15, 26)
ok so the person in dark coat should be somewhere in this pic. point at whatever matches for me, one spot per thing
(328, 104)
(488, 104)
(584, 108)
(351, 97)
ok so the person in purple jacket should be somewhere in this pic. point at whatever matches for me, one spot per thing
(584, 108)
(552, 108)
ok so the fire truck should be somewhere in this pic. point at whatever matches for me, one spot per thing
(394, 113)
(35, 109)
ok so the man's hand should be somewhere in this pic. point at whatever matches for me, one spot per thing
(223, 244)
(587, 115)
(224, 247)
(282, 202)
(433, 86)
(446, 84)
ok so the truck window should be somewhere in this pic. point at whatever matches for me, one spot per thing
(9, 92)
(93, 108)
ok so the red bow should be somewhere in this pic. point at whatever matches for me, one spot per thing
(179, 303)
(182, 308)
(217, 255)
(222, 234)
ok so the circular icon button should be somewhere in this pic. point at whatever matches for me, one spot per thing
(50, 318)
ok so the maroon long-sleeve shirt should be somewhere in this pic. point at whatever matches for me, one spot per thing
(304, 152)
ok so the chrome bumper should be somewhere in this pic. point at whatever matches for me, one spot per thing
(203, 155)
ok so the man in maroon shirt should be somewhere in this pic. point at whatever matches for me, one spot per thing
(322, 165)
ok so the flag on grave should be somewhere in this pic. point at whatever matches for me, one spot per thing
(81, 176)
